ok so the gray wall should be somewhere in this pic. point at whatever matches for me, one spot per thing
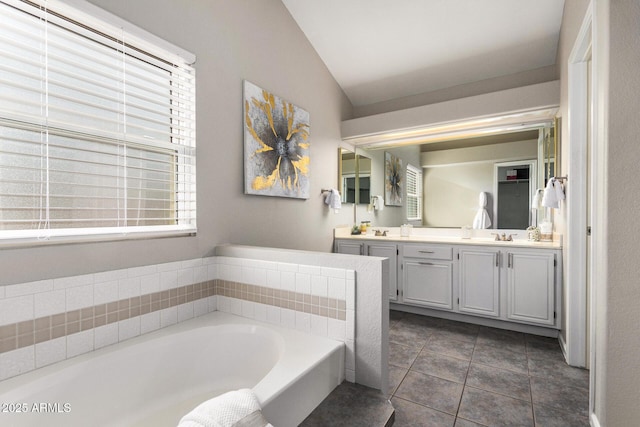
(618, 295)
(233, 40)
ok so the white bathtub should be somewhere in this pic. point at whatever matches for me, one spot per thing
(156, 378)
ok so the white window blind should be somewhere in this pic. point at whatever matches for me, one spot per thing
(414, 193)
(97, 128)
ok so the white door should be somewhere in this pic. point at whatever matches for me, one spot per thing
(387, 251)
(531, 287)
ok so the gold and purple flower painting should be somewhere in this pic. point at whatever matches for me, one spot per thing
(276, 145)
(393, 181)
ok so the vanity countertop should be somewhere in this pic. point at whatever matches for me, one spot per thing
(422, 236)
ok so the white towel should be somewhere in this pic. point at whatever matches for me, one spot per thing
(553, 194)
(482, 219)
(235, 408)
(378, 203)
(332, 199)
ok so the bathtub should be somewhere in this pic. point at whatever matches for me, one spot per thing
(154, 379)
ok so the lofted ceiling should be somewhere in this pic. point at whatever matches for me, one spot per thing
(378, 50)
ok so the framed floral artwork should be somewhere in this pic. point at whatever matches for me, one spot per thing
(276, 145)
(393, 180)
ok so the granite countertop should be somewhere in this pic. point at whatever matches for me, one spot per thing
(417, 236)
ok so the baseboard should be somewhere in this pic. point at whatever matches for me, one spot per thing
(500, 324)
(563, 345)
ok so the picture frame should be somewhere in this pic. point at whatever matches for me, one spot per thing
(393, 180)
(276, 145)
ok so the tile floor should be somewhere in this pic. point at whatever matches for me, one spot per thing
(446, 373)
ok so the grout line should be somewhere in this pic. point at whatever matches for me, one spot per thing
(80, 320)
(464, 386)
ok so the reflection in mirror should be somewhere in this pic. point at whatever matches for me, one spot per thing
(354, 181)
(514, 186)
(547, 154)
(457, 170)
(347, 175)
(364, 179)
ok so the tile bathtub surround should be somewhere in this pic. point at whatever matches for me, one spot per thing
(312, 299)
(48, 321)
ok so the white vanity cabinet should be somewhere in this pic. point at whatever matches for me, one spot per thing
(427, 276)
(530, 287)
(479, 283)
(499, 284)
(373, 248)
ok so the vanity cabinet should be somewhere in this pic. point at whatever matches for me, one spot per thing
(379, 249)
(479, 284)
(501, 281)
(427, 276)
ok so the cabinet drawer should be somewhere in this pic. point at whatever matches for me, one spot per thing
(426, 251)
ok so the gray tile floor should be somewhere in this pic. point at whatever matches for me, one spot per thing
(445, 373)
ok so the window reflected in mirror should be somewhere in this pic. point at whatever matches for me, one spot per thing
(354, 180)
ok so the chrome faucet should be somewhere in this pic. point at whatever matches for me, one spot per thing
(504, 237)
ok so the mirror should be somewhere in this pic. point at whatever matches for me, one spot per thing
(457, 170)
(354, 177)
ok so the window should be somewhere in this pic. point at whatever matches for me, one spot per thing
(414, 193)
(97, 126)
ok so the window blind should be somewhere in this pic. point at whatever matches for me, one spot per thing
(97, 135)
(414, 193)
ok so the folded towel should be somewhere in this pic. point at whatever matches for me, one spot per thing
(553, 194)
(332, 199)
(482, 219)
(238, 408)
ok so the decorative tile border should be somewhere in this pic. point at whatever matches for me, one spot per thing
(29, 332)
(332, 308)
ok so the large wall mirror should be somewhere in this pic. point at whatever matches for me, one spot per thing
(354, 177)
(509, 166)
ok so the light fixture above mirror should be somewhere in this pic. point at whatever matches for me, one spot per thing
(459, 129)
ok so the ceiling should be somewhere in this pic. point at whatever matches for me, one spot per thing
(378, 50)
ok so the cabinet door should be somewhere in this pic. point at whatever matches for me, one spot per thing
(387, 251)
(480, 282)
(347, 247)
(428, 283)
(531, 287)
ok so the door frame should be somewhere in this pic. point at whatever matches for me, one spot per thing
(579, 127)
